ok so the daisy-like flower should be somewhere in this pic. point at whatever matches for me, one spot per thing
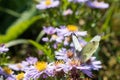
(59, 68)
(24, 64)
(61, 35)
(87, 67)
(66, 31)
(79, 1)
(63, 54)
(7, 73)
(44, 4)
(40, 69)
(49, 30)
(3, 49)
(71, 62)
(19, 66)
(96, 4)
(95, 65)
(74, 63)
(75, 67)
(77, 64)
(69, 29)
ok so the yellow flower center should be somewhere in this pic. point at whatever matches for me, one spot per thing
(59, 62)
(40, 66)
(72, 28)
(48, 2)
(54, 36)
(20, 76)
(7, 70)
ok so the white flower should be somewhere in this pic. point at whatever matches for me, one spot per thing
(44, 4)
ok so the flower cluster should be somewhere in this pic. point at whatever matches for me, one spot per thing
(66, 64)
(41, 69)
(3, 49)
(45, 4)
(62, 35)
(92, 4)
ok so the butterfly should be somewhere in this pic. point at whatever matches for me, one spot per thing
(87, 51)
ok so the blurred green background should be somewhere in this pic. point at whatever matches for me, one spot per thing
(19, 19)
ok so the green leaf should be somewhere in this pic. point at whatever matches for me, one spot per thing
(46, 51)
(43, 48)
(40, 36)
(19, 26)
(16, 42)
(108, 18)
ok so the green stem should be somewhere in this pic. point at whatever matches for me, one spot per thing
(40, 36)
(16, 42)
(11, 12)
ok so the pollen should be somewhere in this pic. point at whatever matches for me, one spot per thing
(20, 76)
(72, 28)
(40, 66)
(19, 65)
(7, 70)
(48, 2)
(75, 62)
(69, 54)
(59, 62)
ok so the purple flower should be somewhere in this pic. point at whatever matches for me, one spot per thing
(59, 66)
(24, 64)
(96, 4)
(31, 60)
(49, 30)
(73, 62)
(44, 4)
(95, 65)
(36, 71)
(61, 31)
(88, 73)
(17, 67)
(45, 39)
(68, 30)
(57, 38)
(3, 49)
(7, 73)
(79, 1)
(61, 55)
(10, 78)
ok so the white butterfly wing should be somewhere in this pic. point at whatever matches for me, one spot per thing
(90, 48)
(76, 43)
(96, 38)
